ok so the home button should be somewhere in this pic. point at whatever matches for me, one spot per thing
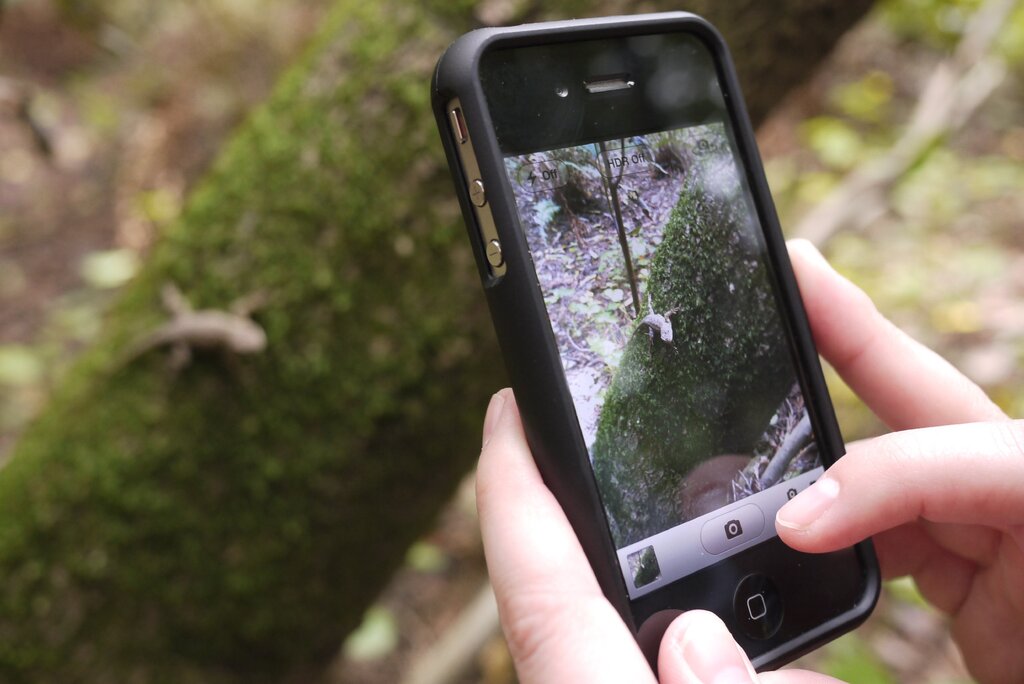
(758, 606)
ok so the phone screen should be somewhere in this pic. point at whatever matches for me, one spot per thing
(653, 269)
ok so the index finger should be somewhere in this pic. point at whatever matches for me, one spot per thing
(968, 474)
(906, 384)
(559, 626)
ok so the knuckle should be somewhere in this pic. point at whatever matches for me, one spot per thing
(535, 623)
(1014, 439)
(894, 470)
(530, 621)
(898, 451)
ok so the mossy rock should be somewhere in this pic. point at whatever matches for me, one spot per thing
(714, 387)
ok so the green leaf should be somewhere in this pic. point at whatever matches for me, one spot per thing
(1010, 43)
(545, 211)
(110, 268)
(375, 638)
(159, 205)
(426, 557)
(19, 366)
(850, 659)
(614, 294)
(815, 186)
(867, 98)
(561, 292)
(905, 590)
(836, 143)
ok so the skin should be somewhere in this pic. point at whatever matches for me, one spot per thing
(942, 496)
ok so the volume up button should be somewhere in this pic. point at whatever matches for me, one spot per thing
(476, 192)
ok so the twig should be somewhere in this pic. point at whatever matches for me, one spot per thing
(788, 450)
(954, 91)
(17, 97)
(612, 188)
(453, 654)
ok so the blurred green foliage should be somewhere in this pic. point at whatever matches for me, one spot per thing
(937, 22)
(426, 557)
(852, 660)
(376, 637)
(19, 366)
(867, 98)
(941, 23)
(905, 590)
(940, 261)
(837, 144)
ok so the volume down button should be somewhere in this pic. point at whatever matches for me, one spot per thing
(494, 256)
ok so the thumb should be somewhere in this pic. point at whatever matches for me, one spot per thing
(698, 649)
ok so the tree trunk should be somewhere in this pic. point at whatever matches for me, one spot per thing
(232, 520)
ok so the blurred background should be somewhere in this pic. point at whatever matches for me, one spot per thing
(903, 158)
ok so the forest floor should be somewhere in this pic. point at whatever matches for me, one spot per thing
(106, 121)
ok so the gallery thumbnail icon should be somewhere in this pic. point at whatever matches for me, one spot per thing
(643, 566)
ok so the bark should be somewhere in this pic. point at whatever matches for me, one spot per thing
(231, 521)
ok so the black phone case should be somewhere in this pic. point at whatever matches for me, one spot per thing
(520, 317)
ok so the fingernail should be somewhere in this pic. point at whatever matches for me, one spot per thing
(494, 411)
(712, 655)
(809, 505)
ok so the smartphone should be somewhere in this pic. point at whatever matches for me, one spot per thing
(649, 319)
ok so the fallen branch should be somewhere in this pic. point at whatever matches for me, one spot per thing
(453, 654)
(792, 445)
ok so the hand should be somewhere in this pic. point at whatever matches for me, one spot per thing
(559, 626)
(945, 504)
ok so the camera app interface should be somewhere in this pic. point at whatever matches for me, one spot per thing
(653, 271)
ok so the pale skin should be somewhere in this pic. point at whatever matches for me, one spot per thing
(942, 496)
